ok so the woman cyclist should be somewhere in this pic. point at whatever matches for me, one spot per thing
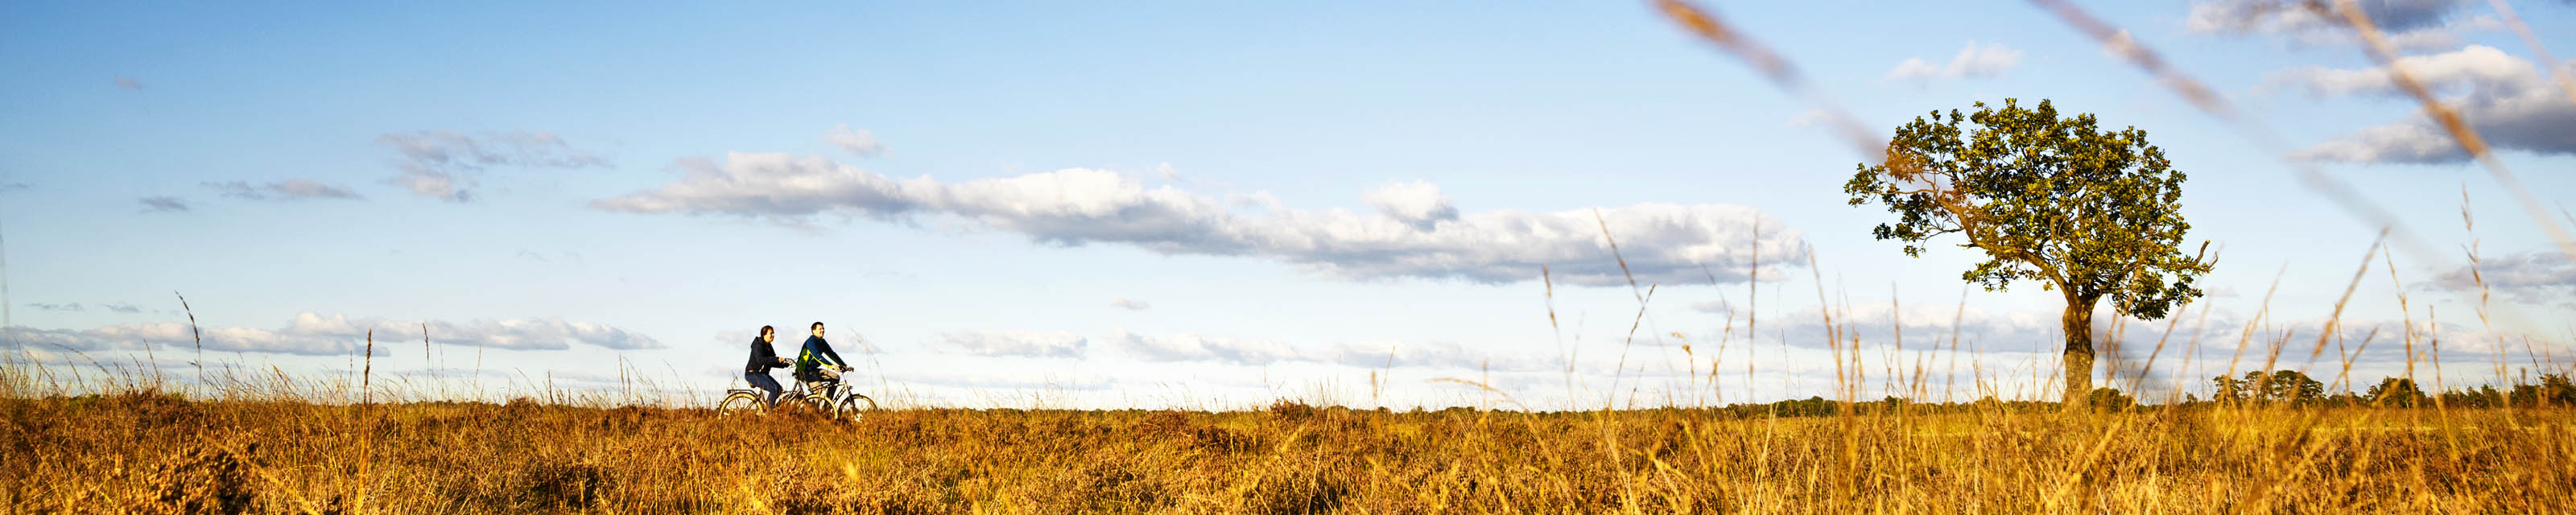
(763, 358)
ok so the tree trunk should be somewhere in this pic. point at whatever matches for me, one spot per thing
(2079, 352)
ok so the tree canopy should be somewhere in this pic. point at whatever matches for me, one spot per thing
(2087, 212)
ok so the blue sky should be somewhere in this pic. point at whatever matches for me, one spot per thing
(1188, 204)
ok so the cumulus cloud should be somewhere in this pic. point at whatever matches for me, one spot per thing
(1129, 304)
(163, 204)
(1419, 204)
(1199, 347)
(47, 306)
(858, 142)
(1058, 344)
(439, 164)
(1972, 61)
(2409, 24)
(311, 333)
(2539, 277)
(2505, 98)
(1428, 354)
(1663, 243)
(295, 189)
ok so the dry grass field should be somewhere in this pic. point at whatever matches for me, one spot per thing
(119, 443)
(146, 452)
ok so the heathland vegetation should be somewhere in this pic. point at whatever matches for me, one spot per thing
(268, 444)
(2273, 440)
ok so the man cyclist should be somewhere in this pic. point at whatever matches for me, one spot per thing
(763, 358)
(817, 363)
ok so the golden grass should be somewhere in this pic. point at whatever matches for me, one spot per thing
(144, 452)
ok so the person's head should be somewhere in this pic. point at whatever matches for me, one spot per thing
(768, 334)
(818, 329)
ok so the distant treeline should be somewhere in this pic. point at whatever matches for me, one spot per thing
(2285, 388)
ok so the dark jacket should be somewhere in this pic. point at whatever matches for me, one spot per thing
(763, 358)
(812, 358)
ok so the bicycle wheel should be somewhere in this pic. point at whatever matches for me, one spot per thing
(854, 407)
(808, 404)
(739, 403)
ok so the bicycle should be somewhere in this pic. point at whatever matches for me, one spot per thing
(834, 398)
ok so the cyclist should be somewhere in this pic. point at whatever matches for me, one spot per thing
(817, 363)
(763, 358)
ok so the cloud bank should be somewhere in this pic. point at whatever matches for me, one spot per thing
(2505, 98)
(2536, 277)
(1416, 231)
(2409, 24)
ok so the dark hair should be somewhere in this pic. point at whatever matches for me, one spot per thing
(767, 329)
(817, 325)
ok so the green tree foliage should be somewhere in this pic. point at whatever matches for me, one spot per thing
(2395, 391)
(2083, 211)
(2553, 390)
(2277, 386)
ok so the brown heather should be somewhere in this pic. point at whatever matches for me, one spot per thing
(148, 452)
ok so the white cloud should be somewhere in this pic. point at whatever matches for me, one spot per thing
(1198, 347)
(2479, 67)
(1428, 354)
(1058, 344)
(859, 142)
(1972, 61)
(2537, 277)
(314, 334)
(1663, 243)
(2409, 24)
(2403, 143)
(2505, 98)
(436, 163)
(296, 189)
(1416, 203)
(430, 182)
(1129, 304)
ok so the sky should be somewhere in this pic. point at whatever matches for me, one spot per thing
(1214, 206)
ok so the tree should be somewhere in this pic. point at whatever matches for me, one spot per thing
(2085, 212)
(2225, 388)
(2278, 386)
(2554, 389)
(2288, 386)
(2397, 390)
